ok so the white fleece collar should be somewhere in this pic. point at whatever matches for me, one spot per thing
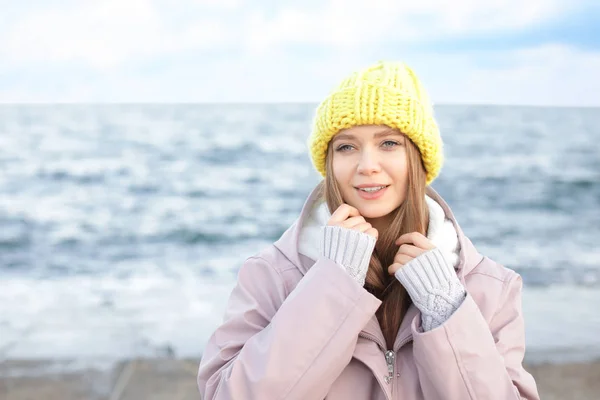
(441, 231)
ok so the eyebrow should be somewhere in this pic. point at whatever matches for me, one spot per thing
(348, 136)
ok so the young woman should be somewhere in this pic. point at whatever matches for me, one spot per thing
(374, 292)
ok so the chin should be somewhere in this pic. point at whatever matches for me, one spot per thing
(373, 211)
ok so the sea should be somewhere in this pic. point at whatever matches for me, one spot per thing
(123, 226)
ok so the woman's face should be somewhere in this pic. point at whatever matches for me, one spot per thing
(371, 155)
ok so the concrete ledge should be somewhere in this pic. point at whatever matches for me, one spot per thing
(158, 379)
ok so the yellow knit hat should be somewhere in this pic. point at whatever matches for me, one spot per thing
(387, 93)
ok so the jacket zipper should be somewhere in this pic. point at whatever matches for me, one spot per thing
(390, 358)
(402, 343)
(390, 355)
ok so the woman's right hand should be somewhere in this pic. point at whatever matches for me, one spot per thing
(349, 240)
(348, 217)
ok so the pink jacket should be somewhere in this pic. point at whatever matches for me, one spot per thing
(296, 328)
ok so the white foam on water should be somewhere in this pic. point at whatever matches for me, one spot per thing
(149, 315)
(560, 320)
(104, 317)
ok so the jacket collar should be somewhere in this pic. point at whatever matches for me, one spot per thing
(440, 231)
(289, 242)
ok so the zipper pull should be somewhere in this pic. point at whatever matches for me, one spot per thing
(390, 358)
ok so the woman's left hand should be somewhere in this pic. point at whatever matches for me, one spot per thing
(411, 245)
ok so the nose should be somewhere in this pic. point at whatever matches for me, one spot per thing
(368, 163)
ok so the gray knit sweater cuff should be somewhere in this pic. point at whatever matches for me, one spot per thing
(433, 287)
(349, 248)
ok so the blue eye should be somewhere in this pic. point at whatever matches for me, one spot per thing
(341, 148)
(391, 141)
(387, 144)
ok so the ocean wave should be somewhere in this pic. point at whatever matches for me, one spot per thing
(572, 277)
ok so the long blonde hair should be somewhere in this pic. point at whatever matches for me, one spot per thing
(411, 216)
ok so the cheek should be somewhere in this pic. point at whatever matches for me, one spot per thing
(399, 169)
(343, 174)
(399, 174)
(341, 171)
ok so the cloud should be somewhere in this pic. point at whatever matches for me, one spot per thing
(103, 35)
(578, 28)
(547, 75)
(358, 24)
(500, 51)
(110, 33)
(220, 4)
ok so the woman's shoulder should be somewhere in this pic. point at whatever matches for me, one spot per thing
(480, 267)
(491, 285)
(272, 261)
(273, 257)
(493, 270)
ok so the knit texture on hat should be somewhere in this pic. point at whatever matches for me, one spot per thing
(387, 93)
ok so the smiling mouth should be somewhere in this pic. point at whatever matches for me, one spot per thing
(372, 189)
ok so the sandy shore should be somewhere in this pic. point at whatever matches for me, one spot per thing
(158, 379)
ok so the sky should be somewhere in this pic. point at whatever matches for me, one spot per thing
(535, 52)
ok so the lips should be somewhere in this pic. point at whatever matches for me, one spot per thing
(372, 195)
(370, 189)
(370, 185)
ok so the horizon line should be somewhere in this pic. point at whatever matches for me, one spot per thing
(271, 103)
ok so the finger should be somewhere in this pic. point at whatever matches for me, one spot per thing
(416, 239)
(362, 227)
(373, 232)
(410, 250)
(350, 223)
(402, 259)
(342, 213)
(393, 268)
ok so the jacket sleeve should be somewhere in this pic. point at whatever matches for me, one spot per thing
(273, 346)
(465, 358)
